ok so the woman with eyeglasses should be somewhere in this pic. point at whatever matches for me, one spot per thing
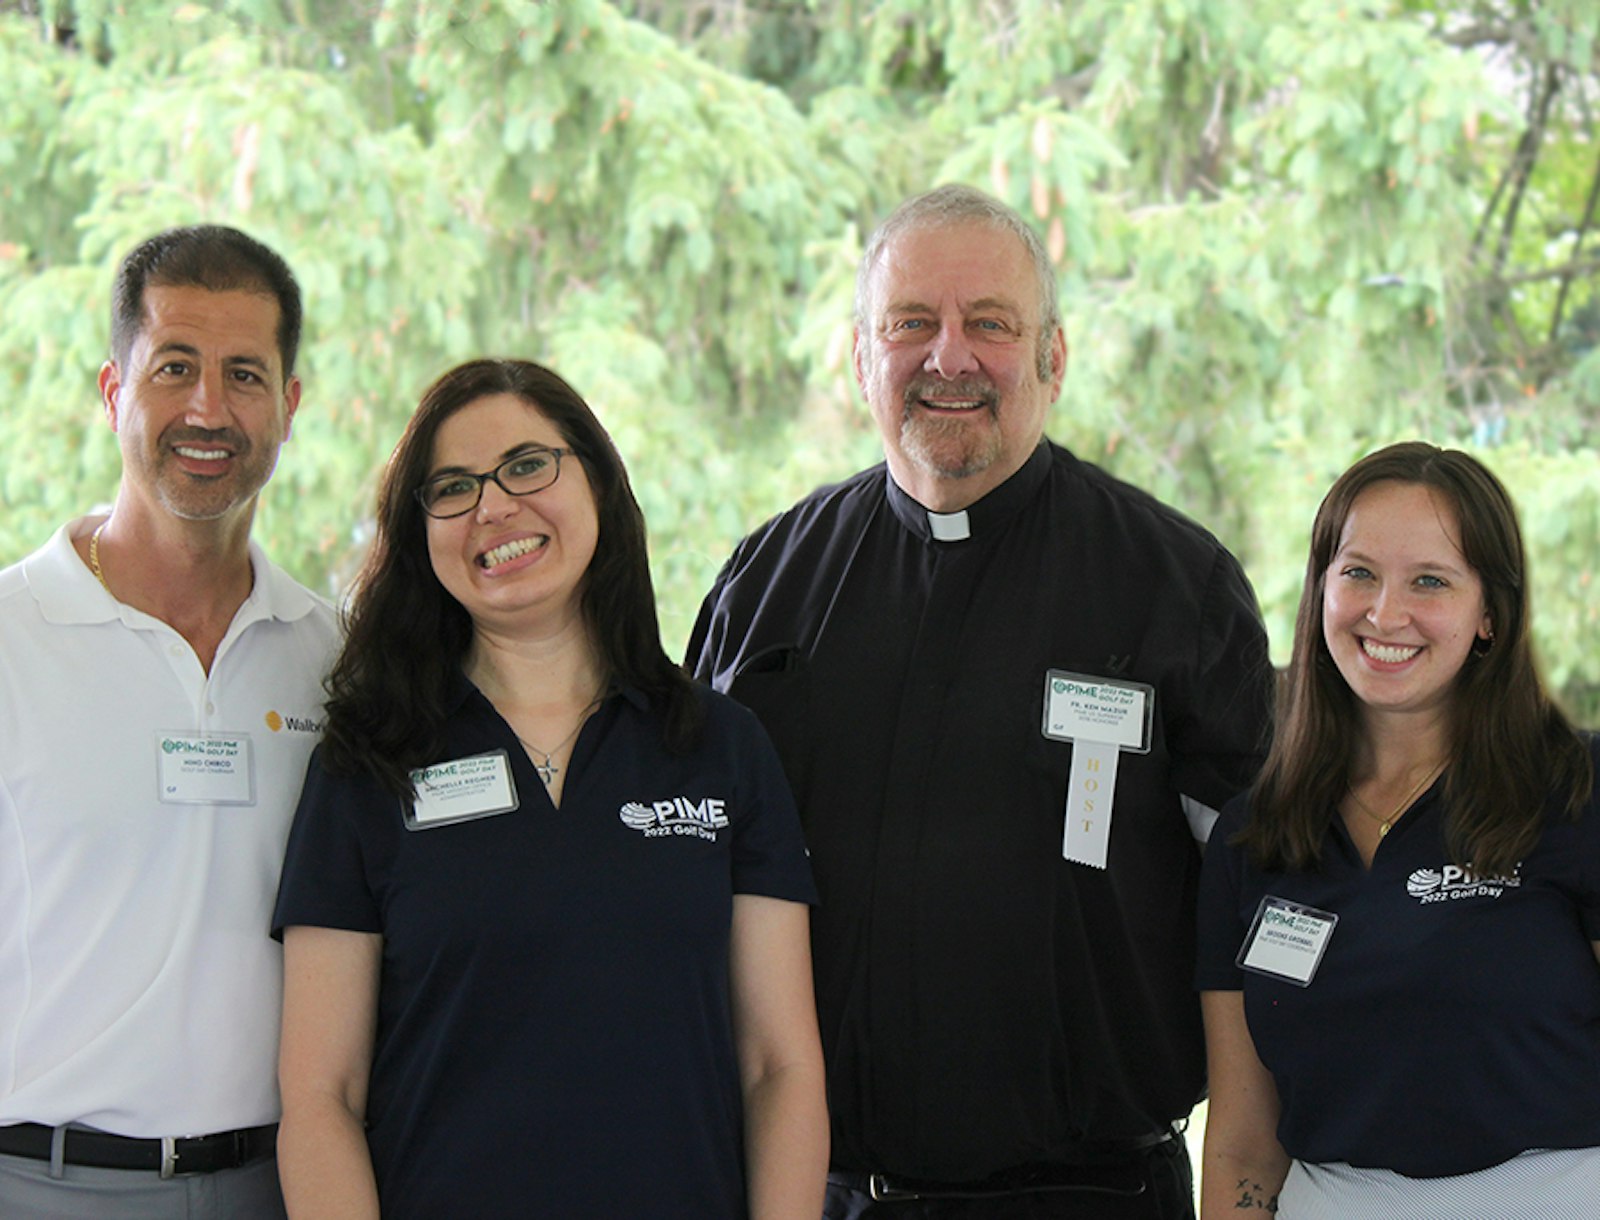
(545, 902)
(1400, 924)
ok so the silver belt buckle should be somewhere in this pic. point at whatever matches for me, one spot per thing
(880, 1190)
(169, 1156)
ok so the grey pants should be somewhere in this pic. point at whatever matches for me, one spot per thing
(29, 1192)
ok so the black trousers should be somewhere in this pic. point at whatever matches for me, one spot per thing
(1154, 1185)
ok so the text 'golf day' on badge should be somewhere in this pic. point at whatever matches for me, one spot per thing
(1286, 940)
(205, 769)
(1101, 717)
(460, 790)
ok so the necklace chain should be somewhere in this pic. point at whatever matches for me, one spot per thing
(549, 768)
(94, 554)
(1385, 823)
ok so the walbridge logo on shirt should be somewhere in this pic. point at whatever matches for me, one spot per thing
(677, 815)
(292, 724)
(1454, 881)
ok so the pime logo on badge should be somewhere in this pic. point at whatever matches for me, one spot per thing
(1101, 694)
(209, 748)
(676, 816)
(1455, 881)
(1293, 928)
(1063, 687)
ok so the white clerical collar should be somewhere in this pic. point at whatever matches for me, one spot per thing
(984, 516)
(950, 527)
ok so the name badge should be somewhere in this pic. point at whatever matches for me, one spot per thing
(1286, 941)
(1101, 718)
(461, 790)
(205, 769)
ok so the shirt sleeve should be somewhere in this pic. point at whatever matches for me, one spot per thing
(1220, 742)
(1221, 928)
(701, 652)
(1589, 865)
(325, 878)
(769, 852)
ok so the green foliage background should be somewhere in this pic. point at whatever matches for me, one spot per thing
(1283, 241)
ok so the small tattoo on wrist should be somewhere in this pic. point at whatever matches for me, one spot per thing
(1253, 1198)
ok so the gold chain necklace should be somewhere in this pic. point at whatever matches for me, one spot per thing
(1384, 823)
(94, 554)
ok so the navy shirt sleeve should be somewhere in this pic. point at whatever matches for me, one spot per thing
(325, 878)
(1222, 926)
(1588, 896)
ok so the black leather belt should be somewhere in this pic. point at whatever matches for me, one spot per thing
(167, 1156)
(1113, 1167)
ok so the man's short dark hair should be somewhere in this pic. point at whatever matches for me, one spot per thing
(213, 257)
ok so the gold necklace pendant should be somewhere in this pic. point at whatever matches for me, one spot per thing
(1385, 824)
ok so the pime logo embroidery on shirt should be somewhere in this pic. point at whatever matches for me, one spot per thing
(1454, 881)
(676, 816)
(295, 724)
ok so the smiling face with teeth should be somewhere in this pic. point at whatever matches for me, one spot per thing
(512, 556)
(199, 404)
(1401, 606)
(952, 359)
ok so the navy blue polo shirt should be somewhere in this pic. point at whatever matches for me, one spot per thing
(554, 1031)
(1453, 1021)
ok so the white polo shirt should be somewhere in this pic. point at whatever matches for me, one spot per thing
(139, 989)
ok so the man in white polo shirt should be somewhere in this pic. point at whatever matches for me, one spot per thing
(160, 691)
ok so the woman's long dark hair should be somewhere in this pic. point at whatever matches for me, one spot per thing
(1511, 748)
(407, 638)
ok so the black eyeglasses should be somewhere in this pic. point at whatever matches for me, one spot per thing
(453, 495)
